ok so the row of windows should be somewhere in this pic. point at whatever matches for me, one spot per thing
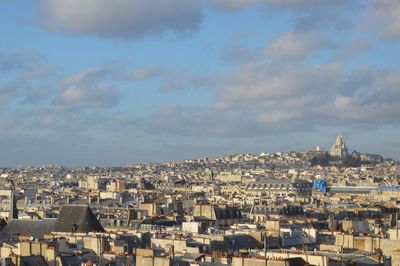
(282, 189)
(295, 185)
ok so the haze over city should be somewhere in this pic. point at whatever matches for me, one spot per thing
(114, 82)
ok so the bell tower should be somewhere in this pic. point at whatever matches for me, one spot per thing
(13, 212)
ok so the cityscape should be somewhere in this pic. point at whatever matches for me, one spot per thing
(200, 133)
(320, 207)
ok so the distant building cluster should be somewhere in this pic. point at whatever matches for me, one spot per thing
(282, 208)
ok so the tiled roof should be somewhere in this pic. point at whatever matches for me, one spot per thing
(35, 228)
(77, 218)
(72, 218)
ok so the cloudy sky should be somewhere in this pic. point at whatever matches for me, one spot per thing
(99, 82)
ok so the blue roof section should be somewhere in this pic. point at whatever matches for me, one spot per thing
(320, 185)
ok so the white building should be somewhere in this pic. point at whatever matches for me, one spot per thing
(339, 148)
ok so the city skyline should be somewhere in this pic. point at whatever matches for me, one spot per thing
(336, 150)
(111, 84)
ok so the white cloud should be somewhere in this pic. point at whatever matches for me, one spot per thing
(276, 116)
(86, 88)
(260, 82)
(121, 18)
(7, 94)
(98, 96)
(296, 45)
(146, 73)
(130, 19)
(73, 94)
(19, 69)
(352, 48)
(263, 99)
(281, 4)
(383, 18)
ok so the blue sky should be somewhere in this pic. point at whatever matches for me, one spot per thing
(100, 82)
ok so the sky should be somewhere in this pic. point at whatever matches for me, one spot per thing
(109, 83)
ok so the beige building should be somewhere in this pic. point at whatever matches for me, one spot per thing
(339, 148)
(217, 215)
